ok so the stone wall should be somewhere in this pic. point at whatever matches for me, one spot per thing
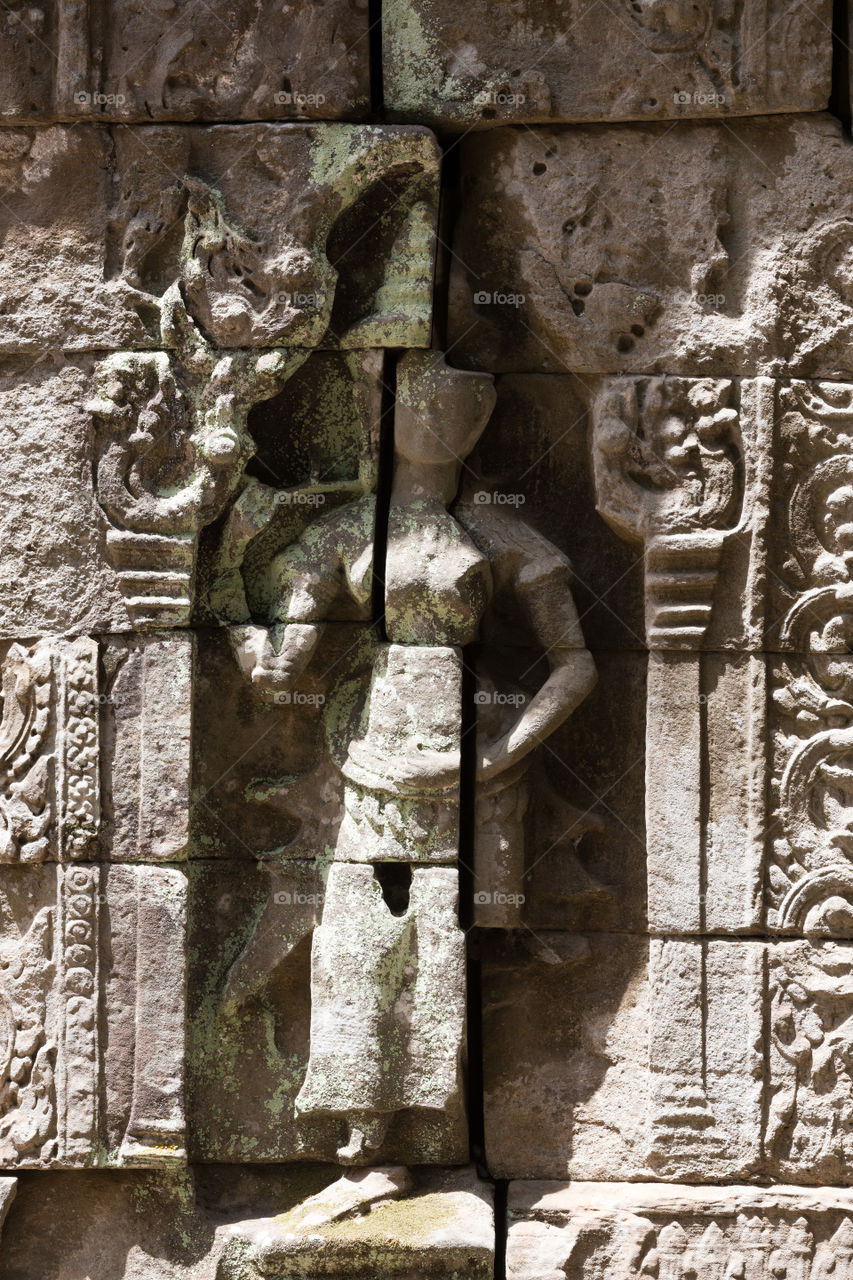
(426, 627)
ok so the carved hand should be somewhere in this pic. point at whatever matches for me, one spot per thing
(572, 677)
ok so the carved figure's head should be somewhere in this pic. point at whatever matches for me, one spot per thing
(441, 412)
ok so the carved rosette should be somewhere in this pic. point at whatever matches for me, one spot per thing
(78, 899)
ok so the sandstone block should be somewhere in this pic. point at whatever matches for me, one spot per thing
(620, 1229)
(186, 62)
(682, 1060)
(537, 63)
(243, 230)
(702, 249)
(93, 1003)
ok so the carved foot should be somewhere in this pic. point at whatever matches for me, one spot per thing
(366, 1135)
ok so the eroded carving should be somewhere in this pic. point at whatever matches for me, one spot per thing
(668, 472)
(171, 445)
(673, 1232)
(395, 739)
(810, 1079)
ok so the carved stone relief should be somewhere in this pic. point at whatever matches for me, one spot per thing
(137, 63)
(257, 251)
(619, 60)
(425, 641)
(89, 952)
(646, 1230)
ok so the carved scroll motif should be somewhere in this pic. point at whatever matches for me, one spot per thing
(811, 872)
(28, 1101)
(49, 793)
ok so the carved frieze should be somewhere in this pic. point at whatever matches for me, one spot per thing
(618, 1229)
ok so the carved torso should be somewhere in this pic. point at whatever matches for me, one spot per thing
(437, 582)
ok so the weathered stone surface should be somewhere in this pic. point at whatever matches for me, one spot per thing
(384, 1222)
(565, 1054)
(536, 62)
(700, 249)
(533, 464)
(618, 1229)
(327, 460)
(563, 846)
(93, 1010)
(49, 508)
(205, 1224)
(246, 230)
(670, 1058)
(188, 62)
(406, 764)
